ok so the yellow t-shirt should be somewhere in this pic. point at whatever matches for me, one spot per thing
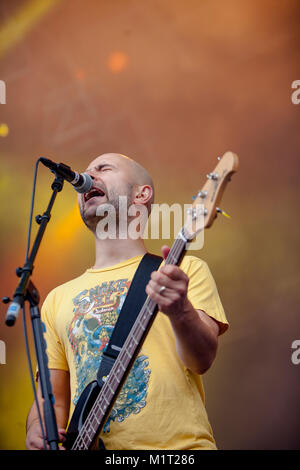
(161, 405)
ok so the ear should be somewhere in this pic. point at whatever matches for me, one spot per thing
(143, 194)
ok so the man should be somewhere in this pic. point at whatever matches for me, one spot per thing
(161, 405)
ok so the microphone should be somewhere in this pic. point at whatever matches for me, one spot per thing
(13, 311)
(81, 182)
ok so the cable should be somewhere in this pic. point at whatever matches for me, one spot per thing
(24, 316)
(31, 209)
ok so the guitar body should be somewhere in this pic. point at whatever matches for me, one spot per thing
(82, 409)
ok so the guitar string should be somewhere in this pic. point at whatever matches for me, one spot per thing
(172, 258)
(85, 429)
(105, 396)
(179, 241)
(177, 248)
(123, 358)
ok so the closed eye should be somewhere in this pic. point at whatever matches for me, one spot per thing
(103, 167)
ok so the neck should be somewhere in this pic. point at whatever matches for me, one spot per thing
(110, 252)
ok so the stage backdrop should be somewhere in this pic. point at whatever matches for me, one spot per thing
(172, 84)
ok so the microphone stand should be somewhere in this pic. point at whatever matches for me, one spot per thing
(26, 290)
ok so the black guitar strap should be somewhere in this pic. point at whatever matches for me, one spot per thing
(133, 303)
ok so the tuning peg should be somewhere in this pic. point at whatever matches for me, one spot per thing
(212, 176)
(201, 194)
(194, 213)
(6, 300)
(223, 213)
(219, 158)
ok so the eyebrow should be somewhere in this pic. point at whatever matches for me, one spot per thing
(100, 166)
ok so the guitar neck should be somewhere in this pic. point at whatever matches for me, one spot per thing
(117, 376)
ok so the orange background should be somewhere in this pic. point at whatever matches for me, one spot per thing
(172, 84)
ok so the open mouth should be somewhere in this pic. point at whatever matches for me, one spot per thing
(94, 192)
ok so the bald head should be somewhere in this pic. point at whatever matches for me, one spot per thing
(139, 174)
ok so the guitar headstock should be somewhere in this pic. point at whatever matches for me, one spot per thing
(206, 202)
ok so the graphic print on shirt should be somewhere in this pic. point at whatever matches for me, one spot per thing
(95, 313)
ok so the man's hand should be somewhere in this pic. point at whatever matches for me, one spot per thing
(34, 438)
(196, 333)
(60, 381)
(168, 288)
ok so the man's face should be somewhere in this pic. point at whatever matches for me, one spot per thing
(112, 178)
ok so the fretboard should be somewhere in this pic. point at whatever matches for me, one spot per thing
(126, 357)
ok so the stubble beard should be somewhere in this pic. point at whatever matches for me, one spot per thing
(91, 221)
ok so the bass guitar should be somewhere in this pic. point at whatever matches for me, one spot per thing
(95, 404)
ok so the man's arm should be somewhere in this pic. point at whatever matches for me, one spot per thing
(196, 336)
(196, 333)
(60, 381)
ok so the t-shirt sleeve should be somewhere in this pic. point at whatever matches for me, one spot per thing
(55, 350)
(203, 293)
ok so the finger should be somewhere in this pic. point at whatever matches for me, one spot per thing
(174, 272)
(172, 280)
(159, 299)
(165, 250)
(157, 289)
(172, 290)
(162, 279)
(164, 298)
(62, 434)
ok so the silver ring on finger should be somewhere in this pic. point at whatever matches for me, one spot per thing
(162, 289)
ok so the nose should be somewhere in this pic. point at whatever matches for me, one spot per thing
(94, 174)
(90, 173)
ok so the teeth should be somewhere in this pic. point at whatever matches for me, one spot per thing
(94, 193)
